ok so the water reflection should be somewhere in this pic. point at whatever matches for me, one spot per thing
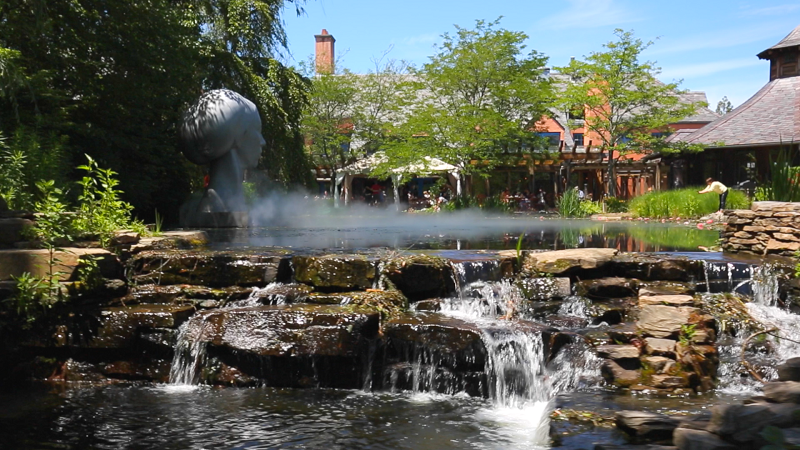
(471, 233)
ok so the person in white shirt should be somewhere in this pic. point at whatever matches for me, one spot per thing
(719, 188)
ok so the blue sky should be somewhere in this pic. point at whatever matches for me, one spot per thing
(710, 45)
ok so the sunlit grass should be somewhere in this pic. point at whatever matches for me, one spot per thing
(683, 203)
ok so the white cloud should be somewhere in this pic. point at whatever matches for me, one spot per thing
(588, 14)
(703, 69)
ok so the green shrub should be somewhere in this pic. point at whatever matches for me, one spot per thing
(495, 203)
(683, 203)
(569, 205)
(101, 211)
(783, 184)
(615, 205)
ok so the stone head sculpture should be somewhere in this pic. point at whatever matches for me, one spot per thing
(223, 129)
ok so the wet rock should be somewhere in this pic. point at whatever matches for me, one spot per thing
(650, 268)
(570, 323)
(388, 303)
(421, 276)
(688, 439)
(646, 426)
(634, 447)
(276, 293)
(663, 321)
(544, 288)
(567, 261)
(225, 375)
(659, 364)
(118, 327)
(604, 288)
(35, 262)
(623, 333)
(156, 370)
(668, 300)
(172, 240)
(212, 268)
(335, 272)
(668, 381)
(596, 336)
(11, 230)
(782, 391)
(406, 376)
(125, 238)
(741, 423)
(430, 305)
(665, 288)
(288, 330)
(789, 370)
(454, 343)
(153, 293)
(163, 339)
(621, 373)
(660, 347)
(78, 371)
(612, 312)
(618, 351)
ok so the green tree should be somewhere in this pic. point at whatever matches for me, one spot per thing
(111, 78)
(328, 120)
(624, 102)
(724, 106)
(477, 98)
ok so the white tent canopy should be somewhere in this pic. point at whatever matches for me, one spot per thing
(427, 166)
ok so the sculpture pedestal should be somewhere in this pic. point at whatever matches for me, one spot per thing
(235, 219)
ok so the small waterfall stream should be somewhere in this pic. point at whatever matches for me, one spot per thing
(777, 346)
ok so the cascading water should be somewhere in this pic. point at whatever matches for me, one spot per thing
(190, 353)
(782, 343)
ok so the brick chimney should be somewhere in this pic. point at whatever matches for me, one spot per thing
(324, 52)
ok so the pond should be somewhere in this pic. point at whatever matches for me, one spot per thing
(466, 232)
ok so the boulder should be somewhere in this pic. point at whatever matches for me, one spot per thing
(618, 351)
(663, 321)
(668, 300)
(335, 273)
(450, 342)
(604, 288)
(67, 262)
(789, 370)
(287, 330)
(688, 439)
(119, 327)
(544, 288)
(567, 261)
(741, 423)
(621, 373)
(782, 391)
(623, 333)
(659, 364)
(649, 268)
(645, 427)
(11, 230)
(421, 276)
(663, 381)
(665, 288)
(171, 240)
(210, 268)
(660, 347)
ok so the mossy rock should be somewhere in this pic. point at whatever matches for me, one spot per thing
(421, 277)
(335, 273)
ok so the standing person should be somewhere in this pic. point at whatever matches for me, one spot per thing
(719, 188)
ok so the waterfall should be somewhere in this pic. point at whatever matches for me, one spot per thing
(779, 346)
(574, 306)
(190, 352)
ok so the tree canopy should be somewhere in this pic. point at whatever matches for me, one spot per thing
(111, 78)
(476, 98)
(626, 108)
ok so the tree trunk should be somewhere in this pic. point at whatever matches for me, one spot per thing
(611, 186)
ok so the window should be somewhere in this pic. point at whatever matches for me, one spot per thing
(624, 139)
(578, 138)
(576, 113)
(659, 134)
(553, 139)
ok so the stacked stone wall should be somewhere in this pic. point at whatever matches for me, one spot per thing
(766, 228)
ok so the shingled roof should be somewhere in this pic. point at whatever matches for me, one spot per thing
(770, 117)
(791, 40)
